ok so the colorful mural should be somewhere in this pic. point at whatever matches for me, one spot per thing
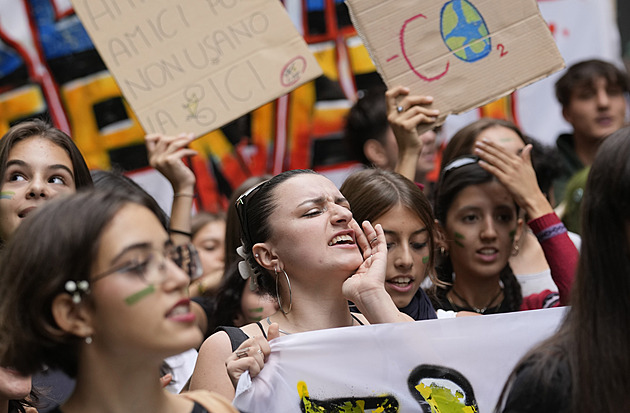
(50, 69)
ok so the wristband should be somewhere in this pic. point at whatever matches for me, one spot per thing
(176, 231)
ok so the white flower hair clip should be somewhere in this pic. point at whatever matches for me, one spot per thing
(243, 267)
(76, 288)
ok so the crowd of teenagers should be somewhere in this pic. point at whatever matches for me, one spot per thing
(137, 310)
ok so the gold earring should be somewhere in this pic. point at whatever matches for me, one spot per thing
(515, 250)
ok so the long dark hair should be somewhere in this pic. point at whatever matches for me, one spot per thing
(366, 119)
(35, 270)
(593, 337)
(453, 180)
(373, 192)
(254, 209)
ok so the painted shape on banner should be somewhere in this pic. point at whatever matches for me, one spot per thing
(445, 365)
(196, 65)
(464, 53)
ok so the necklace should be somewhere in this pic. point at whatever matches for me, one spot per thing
(279, 329)
(477, 310)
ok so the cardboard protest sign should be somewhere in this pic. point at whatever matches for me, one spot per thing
(447, 365)
(464, 53)
(195, 65)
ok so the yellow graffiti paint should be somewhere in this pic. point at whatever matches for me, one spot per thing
(80, 97)
(380, 404)
(326, 56)
(360, 60)
(442, 399)
(20, 103)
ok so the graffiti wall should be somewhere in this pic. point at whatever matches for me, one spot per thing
(49, 68)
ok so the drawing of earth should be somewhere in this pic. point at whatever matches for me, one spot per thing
(464, 31)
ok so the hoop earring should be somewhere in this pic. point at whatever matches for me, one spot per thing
(278, 292)
(515, 249)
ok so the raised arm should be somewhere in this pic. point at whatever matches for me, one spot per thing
(405, 114)
(166, 154)
(517, 175)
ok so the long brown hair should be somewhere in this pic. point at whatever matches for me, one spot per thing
(594, 339)
(373, 192)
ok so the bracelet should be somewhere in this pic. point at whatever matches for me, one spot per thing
(175, 195)
(176, 231)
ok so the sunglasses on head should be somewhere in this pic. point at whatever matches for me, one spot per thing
(241, 210)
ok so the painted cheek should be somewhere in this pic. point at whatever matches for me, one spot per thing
(255, 314)
(425, 260)
(458, 240)
(7, 195)
(136, 297)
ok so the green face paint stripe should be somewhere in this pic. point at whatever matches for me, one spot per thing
(134, 298)
(425, 259)
(459, 244)
(7, 194)
(512, 233)
(256, 310)
(459, 236)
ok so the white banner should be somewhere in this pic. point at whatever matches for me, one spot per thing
(447, 365)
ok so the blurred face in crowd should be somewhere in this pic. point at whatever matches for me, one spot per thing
(504, 137)
(426, 160)
(254, 306)
(596, 109)
(210, 243)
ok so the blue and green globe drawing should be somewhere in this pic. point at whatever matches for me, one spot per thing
(464, 31)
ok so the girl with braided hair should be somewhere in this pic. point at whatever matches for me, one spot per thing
(477, 210)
